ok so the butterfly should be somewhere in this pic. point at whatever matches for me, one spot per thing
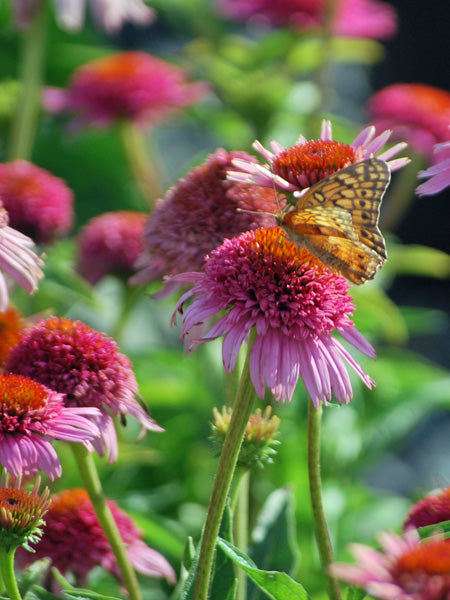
(337, 220)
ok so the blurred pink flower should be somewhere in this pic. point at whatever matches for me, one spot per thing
(110, 244)
(297, 168)
(85, 365)
(127, 85)
(39, 204)
(198, 213)
(16, 260)
(407, 568)
(433, 509)
(353, 18)
(263, 280)
(109, 14)
(418, 114)
(31, 415)
(439, 173)
(74, 541)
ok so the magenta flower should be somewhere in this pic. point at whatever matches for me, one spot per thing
(439, 173)
(353, 18)
(431, 510)
(297, 168)
(109, 14)
(74, 540)
(39, 204)
(110, 244)
(407, 568)
(31, 417)
(128, 85)
(16, 260)
(198, 213)
(85, 365)
(417, 113)
(262, 280)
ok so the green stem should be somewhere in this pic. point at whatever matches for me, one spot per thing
(88, 472)
(315, 490)
(147, 172)
(7, 573)
(242, 409)
(240, 529)
(23, 126)
(322, 77)
(129, 296)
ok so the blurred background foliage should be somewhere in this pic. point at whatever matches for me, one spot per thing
(381, 452)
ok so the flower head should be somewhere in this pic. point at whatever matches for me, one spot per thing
(11, 324)
(431, 510)
(110, 244)
(21, 513)
(128, 85)
(85, 365)
(31, 416)
(439, 173)
(406, 568)
(16, 260)
(83, 544)
(417, 113)
(262, 280)
(295, 169)
(258, 445)
(109, 14)
(353, 18)
(197, 215)
(39, 204)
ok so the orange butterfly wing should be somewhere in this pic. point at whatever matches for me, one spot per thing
(337, 220)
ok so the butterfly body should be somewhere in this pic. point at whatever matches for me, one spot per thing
(337, 220)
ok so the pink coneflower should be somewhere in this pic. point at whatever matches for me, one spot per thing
(197, 215)
(295, 169)
(134, 86)
(262, 280)
(71, 358)
(431, 510)
(417, 113)
(31, 415)
(353, 18)
(21, 513)
(110, 244)
(74, 540)
(109, 14)
(406, 569)
(439, 173)
(16, 260)
(39, 204)
(11, 324)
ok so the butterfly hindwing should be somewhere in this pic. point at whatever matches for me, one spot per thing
(353, 260)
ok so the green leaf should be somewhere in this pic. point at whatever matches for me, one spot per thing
(432, 530)
(273, 544)
(419, 260)
(276, 585)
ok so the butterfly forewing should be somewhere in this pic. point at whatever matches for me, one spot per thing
(342, 211)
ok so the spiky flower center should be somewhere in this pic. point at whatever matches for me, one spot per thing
(21, 399)
(11, 323)
(432, 558)
(305, 164)
(116, 66)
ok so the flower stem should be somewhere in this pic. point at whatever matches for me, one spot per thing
(23, 126)
(145, 171)
(315, 490)
(242, 409)
(92, 483)
(7, 573)
(240, 528)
